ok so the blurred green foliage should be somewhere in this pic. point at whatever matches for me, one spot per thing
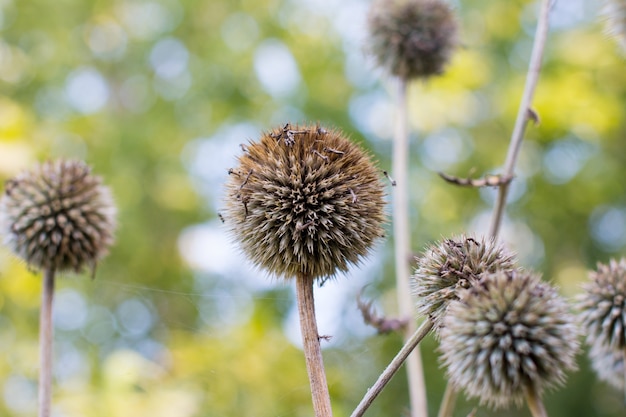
(157, 95)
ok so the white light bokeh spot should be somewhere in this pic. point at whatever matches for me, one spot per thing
(86, 90)
(565, 158)
(608, 227)
(135, 317)
(276, 68)
(70, 310)
(208, 159)
(169, 58)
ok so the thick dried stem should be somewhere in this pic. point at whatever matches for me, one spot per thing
(402, 239)
(535, 405)
(312, 348)
(45, 343)
(392, 368)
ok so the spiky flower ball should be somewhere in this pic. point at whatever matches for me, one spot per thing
(451, 265)
(615, 14)
(603, 306)
(304, 201)
(412, 38)
(608, 364)
(507, 334)
(57, 216)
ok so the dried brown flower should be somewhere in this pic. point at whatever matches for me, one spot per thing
(412, 38)
(304, 200)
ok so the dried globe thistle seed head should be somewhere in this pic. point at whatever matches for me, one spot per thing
(451, 265)
(507, 334)
(608, 364)
(603, 305)
(304, 200)
(57, 216)
(615, 14)
(412, 38)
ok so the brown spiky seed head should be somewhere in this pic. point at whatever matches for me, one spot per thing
(453, 264)
(507, 334)
(57, 216)
(615, 14)
(608, 364)
(412, 38)
(602, 306)
(304, 200)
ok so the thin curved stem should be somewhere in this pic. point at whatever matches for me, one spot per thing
(312, 348)
(534, 68)
(45, 343)
(532, 77)
(392, 368)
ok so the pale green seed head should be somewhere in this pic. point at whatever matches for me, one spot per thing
(451, 265)
(506, 334)
(602, 306)
(608, 364)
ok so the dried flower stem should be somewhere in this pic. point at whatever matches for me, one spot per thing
(534, 68)
(402, 239)
(45, 343)
(311, 345)
(392, 368)
(448, 402)
(535, 405)
(624, 372)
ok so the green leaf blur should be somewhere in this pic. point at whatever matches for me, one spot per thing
(157, 95)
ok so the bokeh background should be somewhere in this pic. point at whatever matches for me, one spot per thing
(157, 95)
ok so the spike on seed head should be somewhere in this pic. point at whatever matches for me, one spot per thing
(58, 216)
(451, 265)
(608, 364)
(300, 214)
(603, 306)
(508, 334)
(412, 38)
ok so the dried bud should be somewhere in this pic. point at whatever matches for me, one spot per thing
(451, 265)
(608, 364)
(615, 13)
(603, 307)
(304, 201)
(412, 38)
(508, 334)
(57, 216)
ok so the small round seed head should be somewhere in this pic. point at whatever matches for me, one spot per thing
(57, 216)
(615, 14)
(608, 364)
(304, 200)
(507, 334)
(602, 306)
(412, 38)
(451, 265)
